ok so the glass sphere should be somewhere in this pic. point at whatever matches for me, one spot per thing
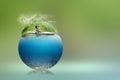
(40, 51)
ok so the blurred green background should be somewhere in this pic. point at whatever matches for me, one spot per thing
(90, 29)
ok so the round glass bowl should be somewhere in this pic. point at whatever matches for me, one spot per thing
(40, 51)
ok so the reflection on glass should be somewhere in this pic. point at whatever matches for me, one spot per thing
(40, 75)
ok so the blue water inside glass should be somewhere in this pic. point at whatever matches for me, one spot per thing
(40, 51)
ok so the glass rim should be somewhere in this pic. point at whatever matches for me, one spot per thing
(38, 34)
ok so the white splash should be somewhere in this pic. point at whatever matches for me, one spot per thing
(35, 19)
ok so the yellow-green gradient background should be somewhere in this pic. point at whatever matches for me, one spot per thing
(90, 30)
